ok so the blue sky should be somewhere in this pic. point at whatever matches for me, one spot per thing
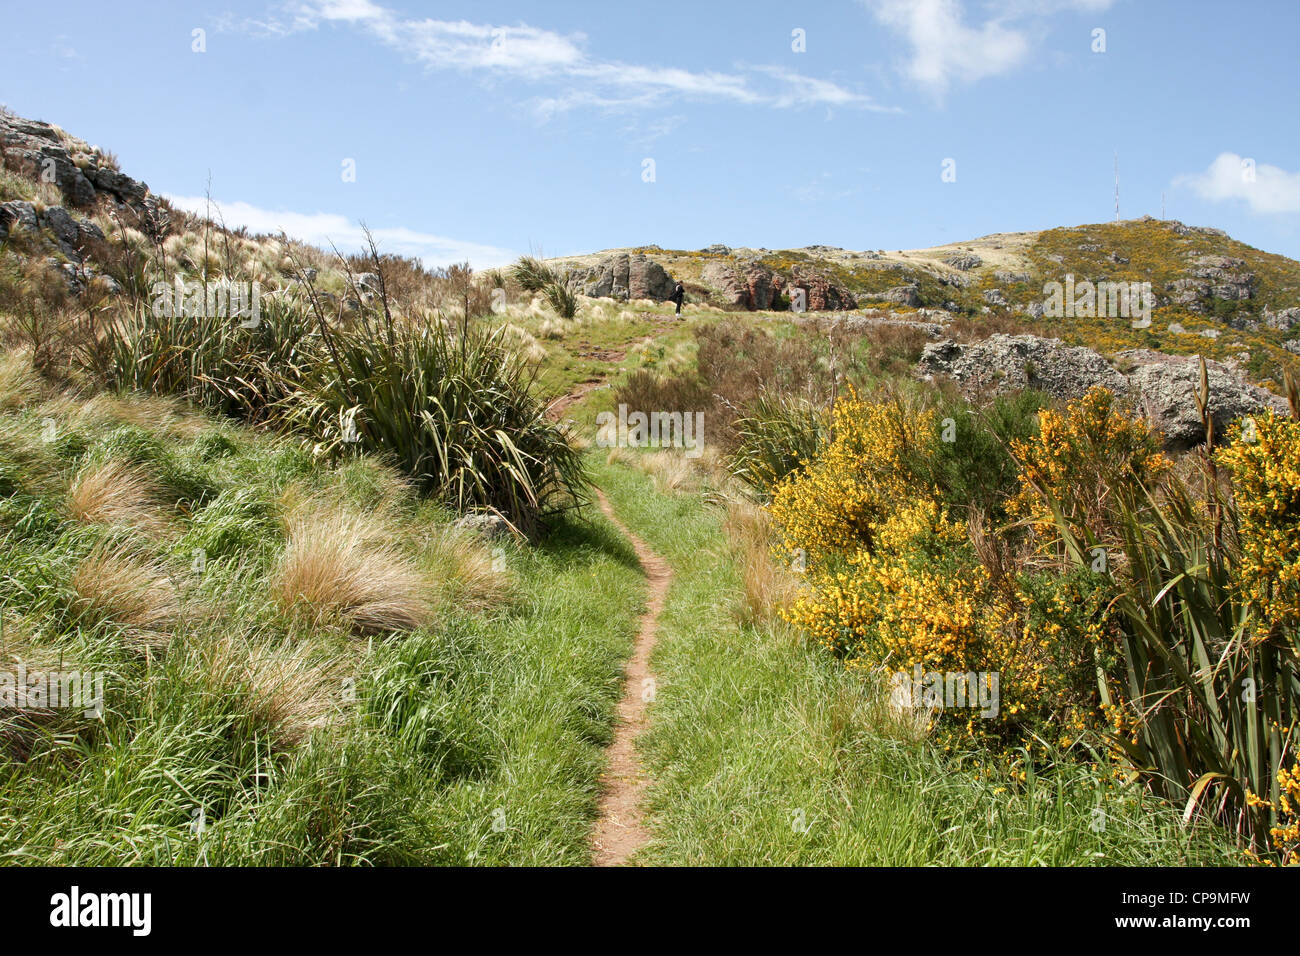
(483, 130)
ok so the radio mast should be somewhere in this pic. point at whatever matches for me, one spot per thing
(1117, 185)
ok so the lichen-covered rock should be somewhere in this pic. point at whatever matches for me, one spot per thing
(1010, 362)
(623, 276)
(1161, 387)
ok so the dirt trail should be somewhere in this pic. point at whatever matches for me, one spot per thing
(611, 355)
(620, 829)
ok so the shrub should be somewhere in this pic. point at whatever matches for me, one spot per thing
(780, 436)
(1083, 458)
(834, 505)
(562, 298)
(969, 461)
(456, 414)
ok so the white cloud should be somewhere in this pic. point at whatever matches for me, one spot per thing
(1266, 189)
(538, 55)
(323, 229)
(946, 49)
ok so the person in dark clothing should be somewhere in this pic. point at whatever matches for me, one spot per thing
(678, 295)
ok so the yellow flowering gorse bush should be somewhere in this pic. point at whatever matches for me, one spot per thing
(1265, 466)
(1080, 458)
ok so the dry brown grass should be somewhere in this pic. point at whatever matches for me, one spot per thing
(113, 493)
(465, 571)
(168, 417)
(287, 691)
(116, 585)
(767, 585)
(345, 567)
(669, 470)
(19, 383)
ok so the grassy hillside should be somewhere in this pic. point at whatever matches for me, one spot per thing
(344, 678)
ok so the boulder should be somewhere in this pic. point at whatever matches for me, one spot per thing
(489, 525)
(1011, 362)
(622, 276)
(17, 214)
(1161, 387)
(903, 295)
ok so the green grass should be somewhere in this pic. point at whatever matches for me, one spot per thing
(477, 739)
(763, 752)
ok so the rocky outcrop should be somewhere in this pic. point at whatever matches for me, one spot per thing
(1213, 277)
(82, 173)
(1283, 319)
(758, 288)
(909, 295)
(624, 276)
(1011, 362)
(820, 293)
(965, 261)
(726, 283)
(1161, 387)
(71, 234)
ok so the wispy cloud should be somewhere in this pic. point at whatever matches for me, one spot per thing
(823, 189)
(535, 55)
(323, 229)
(1266, 189)
(945, 48)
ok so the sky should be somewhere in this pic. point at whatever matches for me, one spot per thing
(481, 131)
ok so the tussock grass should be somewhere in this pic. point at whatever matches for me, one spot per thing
(117, 587)
(671, 471)
(287, 691)
(20, 386)
(767, 585)
(259, 738)
(340, 565)
(120, 494)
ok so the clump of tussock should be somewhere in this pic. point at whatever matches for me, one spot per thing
(20, 385)
(117, 586)
(162, 414)
(669, 470)
(767, 585)
(282, 691)
(342, 566)
(467, 572)
(524, 343)
(118, 494)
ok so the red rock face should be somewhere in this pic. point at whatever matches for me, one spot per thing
(821, 295)
(760, 288)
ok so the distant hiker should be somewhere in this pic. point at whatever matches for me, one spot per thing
(678, 295)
